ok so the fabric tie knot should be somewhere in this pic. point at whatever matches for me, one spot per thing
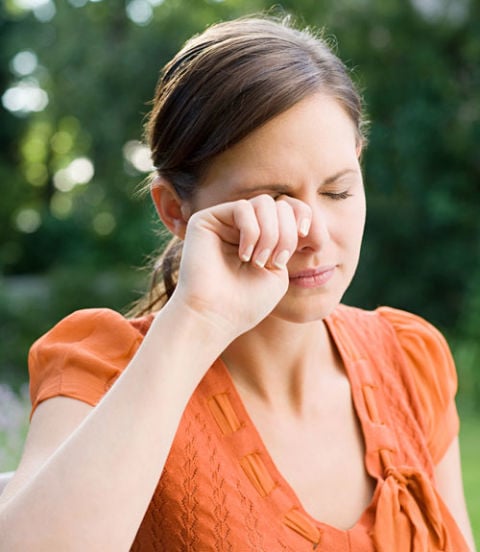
(411, 516)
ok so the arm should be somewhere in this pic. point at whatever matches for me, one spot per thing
(88, 474)
(94, 470)
(449, 484)
(4, 480)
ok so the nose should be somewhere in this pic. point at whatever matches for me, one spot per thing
(319, 233)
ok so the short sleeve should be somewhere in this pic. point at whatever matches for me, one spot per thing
(430, 363)
(81, 356)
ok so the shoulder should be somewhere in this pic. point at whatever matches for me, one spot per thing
(101, 329)
(417, 337)
(426, 354)
(83, 354)
(425, 360)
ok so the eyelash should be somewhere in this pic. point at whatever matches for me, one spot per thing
(337, 196)
(331, 195)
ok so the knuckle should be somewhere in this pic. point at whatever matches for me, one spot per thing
(242, 203)
(284, 206)
(243, 206)
(269, 234)
(194, 218)
(263, 200)
(243, 210)
(253, 231)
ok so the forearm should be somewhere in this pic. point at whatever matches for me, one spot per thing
(448, 474)
(92, 493)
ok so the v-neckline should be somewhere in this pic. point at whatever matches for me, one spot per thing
(349, 357)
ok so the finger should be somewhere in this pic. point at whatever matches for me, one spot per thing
(287, 235)
(302, 212)
(266, 213)
(234, 222)
(245, 219)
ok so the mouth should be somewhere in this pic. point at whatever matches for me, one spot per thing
(312, 278)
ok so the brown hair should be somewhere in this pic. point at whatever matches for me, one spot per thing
(222, 85)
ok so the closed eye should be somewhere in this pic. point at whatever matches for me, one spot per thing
(337, 196)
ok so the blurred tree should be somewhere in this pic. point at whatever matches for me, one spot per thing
(76, 77)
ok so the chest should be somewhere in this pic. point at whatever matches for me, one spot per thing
(233, 482)
(322, 458)
(220, 490)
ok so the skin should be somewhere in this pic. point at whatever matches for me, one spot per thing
(302, 166)
(271, 192)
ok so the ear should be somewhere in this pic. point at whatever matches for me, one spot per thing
(170, 208)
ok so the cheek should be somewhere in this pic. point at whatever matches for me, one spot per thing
(352, 225)
(359, 216)
(358, 210)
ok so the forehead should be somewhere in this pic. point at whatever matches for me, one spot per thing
(316, 134)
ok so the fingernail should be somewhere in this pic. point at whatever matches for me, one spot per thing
(304, 227)
(247, 255)
(262, 258)
(281, 259)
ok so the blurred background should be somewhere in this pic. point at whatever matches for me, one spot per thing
(76, 77)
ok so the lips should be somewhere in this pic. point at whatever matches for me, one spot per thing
(312, 278)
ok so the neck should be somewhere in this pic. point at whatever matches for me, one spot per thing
(282, 365)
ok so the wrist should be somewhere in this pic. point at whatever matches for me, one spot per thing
(192, 329)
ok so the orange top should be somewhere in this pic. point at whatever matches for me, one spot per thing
(220, 489)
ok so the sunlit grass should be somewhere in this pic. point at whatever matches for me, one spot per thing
(470, 444)
(14, 411)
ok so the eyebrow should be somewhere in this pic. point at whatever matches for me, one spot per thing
(337, 176)
(285, 188)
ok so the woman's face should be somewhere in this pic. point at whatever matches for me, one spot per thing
(309, 153)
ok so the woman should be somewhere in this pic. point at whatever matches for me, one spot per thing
(246, 409)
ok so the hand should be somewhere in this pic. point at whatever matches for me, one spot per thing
(233, 268)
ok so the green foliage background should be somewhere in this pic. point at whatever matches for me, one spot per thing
(98, 61)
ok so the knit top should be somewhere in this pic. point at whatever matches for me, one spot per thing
(220, 489)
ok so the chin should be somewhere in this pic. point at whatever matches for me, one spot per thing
(300, 311)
